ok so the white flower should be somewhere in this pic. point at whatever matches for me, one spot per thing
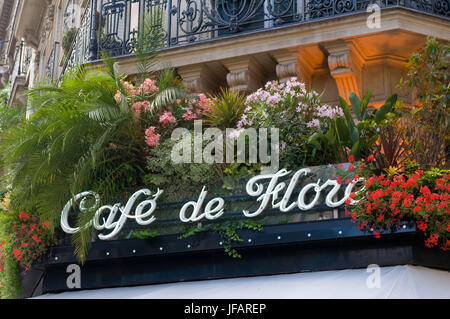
(234, 134)
(315, 123)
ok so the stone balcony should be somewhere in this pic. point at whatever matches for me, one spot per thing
(241, 44)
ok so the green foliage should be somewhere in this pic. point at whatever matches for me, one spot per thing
(151, 39)
(228, 231)
(170, 89)
(10, 284)
(167, 175)
(429, 177)
(428, 127)
(226, 109)
(9, 115)
(347, 134)
(144, 234)
(78, 138)
(190, 230)
(296, 112)
(68, 39)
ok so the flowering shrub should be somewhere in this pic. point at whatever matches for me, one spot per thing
(26, 238)
(294, 110)
(424, 197)
(26, 241)
(30, 239)
(158, 122)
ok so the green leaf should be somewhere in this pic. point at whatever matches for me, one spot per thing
(343, 131)
(380, 115)
(346, 109)
(355, 105)
(356, 149)
(364, 104)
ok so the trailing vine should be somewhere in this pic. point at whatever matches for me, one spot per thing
(227, 232)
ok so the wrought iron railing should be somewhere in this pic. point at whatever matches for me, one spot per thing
(22, 63)
(114, 25)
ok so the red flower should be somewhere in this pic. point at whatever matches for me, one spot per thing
(376, 234)
(417, 209)
(339, 180)
(421, 225)
(46, 224)
(36, 238)
(16, 252)
(351, 158)
(23, 215)
(371, 158)
(351, 168)
(340, 166)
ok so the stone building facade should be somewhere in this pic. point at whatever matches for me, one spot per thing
(335, 47)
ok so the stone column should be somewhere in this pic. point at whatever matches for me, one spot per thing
(345, 64)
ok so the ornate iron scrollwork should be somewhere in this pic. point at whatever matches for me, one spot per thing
(232, 14)
(188, 21)
(442, 7)
(112, 15)
(190, 17)
(282, 10)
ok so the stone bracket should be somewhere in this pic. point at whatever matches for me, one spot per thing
(244, 74)
(345, 64)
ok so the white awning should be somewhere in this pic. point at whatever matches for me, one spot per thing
(394, 282)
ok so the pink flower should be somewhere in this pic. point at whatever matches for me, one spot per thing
(137, 109)
(151, 138)
(148, 86)
(146, 106)
(204, 103)
(129, 88)
(189, 115)
(167, 118)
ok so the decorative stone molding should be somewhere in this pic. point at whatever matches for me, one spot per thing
(345, 63)
(199, 78)
(47, 23)
(286, 65)
(245, 74)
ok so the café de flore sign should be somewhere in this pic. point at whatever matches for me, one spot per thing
(195, 211)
